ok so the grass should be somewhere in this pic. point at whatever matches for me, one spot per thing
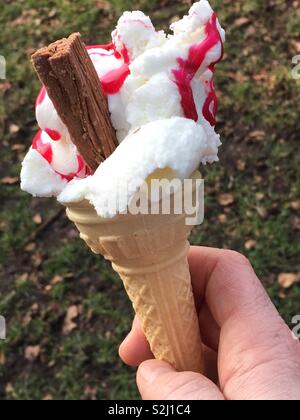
(43, 273)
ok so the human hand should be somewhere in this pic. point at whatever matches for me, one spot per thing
(250, 353)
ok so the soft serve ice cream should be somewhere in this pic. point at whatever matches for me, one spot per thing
(163, 106)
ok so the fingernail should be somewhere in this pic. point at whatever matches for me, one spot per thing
(151, 370)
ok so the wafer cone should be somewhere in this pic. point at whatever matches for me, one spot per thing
(149, 252)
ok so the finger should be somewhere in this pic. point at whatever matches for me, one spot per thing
(135, 348)
(210, 330)
(211, 364)
(159, 381)
(228, 283)
(202, 262)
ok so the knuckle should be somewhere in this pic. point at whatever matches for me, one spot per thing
(260, 380)
(237, 258)
(181, 386)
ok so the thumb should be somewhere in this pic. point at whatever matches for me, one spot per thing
(157, 380)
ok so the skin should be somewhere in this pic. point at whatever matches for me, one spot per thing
(250, 353)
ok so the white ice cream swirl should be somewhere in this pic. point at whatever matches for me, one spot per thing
(157, 84)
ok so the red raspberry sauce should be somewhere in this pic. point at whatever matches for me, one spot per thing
(189, 68)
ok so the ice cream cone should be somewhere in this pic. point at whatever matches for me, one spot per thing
(149, 252)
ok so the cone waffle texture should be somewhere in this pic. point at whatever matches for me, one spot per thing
(149, 252)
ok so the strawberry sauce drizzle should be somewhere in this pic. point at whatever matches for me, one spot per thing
(44, 149)
(53, 134)
(188, 70)
(113, 81)
(81, 166)
(106, 47)
(41, 97)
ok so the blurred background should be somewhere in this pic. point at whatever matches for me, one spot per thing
(66, 310)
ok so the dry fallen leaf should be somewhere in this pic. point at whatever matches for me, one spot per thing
(57, 279)
(24, 18)
(9, 389)
(5, 86)
(259, 196)
(36, 260)
(251, 244)
(103, 5)
(225, 199)
(223, 219)
(9, 180)
(262, 212)
(37, 219)
(282, 294)
(53, 13)
(295, 45)
(3, 224)
(80, 309)
(18, 147)
(258, 179)
(51, 364)
(2, 359)
(238, 76)
(241, 165)
(34, 278)
(295, 205)
(251, 30)
(296, 223)
(32, 353)
(242, 21)
(295, 4)
(14, 129)
(89, 315)
(30, 247)
(21, 279)
(91, 392)
(258, 135)
(69, 325)
(262, 76)
(287, 280)
(27, 319)
(48, 397)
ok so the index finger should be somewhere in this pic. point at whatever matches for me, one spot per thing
(228, 283)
